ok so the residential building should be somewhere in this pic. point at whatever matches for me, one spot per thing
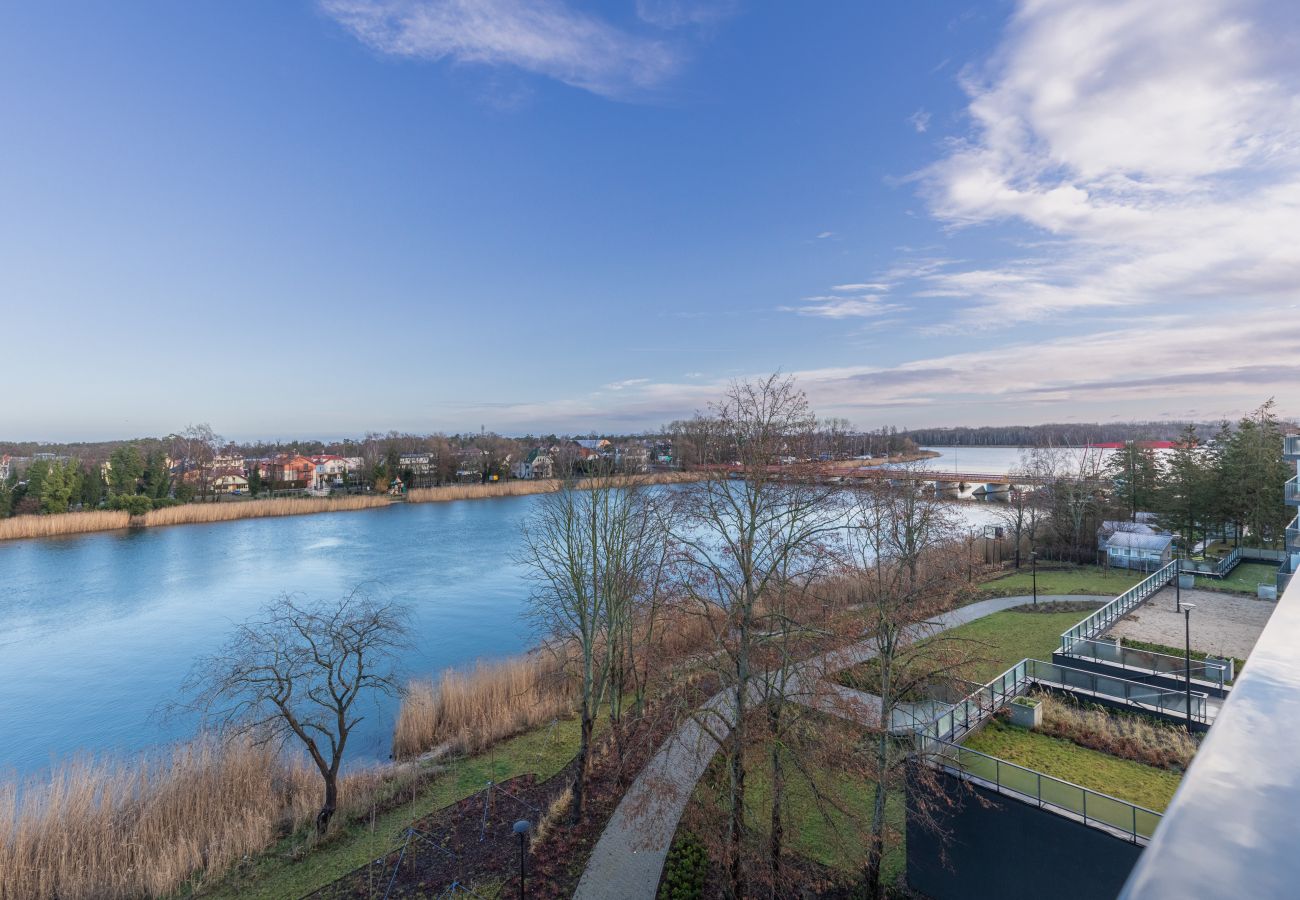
(288, 470)
(330, 471)
(632, 458)
(4, 467)
(1291, 565)
(537, 464)
(229, 481)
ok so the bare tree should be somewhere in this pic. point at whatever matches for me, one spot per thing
(1023, 512)
(297, 670)
(587, 551)
(902, 568)
(742, 541)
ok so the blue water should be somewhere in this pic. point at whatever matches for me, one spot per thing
(97, 631)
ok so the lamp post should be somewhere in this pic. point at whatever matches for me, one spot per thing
(1187, 655)
(1178, 584)
(1033, 563)
(521, 829)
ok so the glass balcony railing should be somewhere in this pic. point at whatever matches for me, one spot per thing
(1293, 535)
(1291, 446)
(1293, 491)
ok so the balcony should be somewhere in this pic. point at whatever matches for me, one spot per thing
(1291, 447)
(1293, 535)
(1293, 491)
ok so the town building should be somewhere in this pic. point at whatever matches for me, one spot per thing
(1145, 550)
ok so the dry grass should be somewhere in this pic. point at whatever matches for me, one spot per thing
(144, 828)
(64, 523)
(190, 513)
(469, 710)
(1126, 736)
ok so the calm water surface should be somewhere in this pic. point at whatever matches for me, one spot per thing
(96, 631)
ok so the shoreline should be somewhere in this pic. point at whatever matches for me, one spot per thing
(69, 524)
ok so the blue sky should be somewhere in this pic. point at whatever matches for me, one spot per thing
(328, 217)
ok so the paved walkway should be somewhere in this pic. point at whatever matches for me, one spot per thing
(627, 860)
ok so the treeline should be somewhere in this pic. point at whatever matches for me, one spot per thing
(1048, 435)
(1223, 482)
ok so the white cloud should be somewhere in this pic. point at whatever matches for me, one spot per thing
(626, 383)
(835, 306)
(864, 286)
(824, 235)
(541, 36)
(1157, 143)
(920, 120)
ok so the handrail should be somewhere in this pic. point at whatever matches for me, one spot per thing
(1116, 609)
(1211, 673)
(1137, 693)
(1137, 822)
(978, 705)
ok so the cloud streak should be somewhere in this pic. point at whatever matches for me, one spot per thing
(545, 37)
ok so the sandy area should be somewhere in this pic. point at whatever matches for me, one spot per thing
(1222, 624)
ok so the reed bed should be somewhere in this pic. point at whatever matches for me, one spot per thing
(1132, 737)
(527, 488)
(109, 829)
(64, 523)
(468, 710)
(191, 513)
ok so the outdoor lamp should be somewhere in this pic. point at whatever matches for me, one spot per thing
(521, 828)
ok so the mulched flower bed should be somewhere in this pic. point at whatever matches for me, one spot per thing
(445, 847)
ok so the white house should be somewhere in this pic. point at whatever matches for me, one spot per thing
(1138, 550)
(537, 464)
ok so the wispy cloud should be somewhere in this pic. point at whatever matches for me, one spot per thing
(864, 286)
(838, 306)
(545, 37)
(679, 13)
(1156, 143)
(920, 120)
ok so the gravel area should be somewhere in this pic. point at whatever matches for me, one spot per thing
(1223, 624)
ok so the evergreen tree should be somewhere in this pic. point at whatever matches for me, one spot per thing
(59, 485)
(126, 467)
(1184, 497)
(1134, 475)
(156, 480)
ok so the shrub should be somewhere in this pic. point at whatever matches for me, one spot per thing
(686, 869)
(1127, 736)
(135, 504)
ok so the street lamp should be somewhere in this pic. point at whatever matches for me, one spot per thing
(521, 829)
(1178, 584)
(1033, 563)
(1187, 655)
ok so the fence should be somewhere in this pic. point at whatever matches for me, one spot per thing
(977, 706)
(1116, 609)
(1165, 700)
(1135, 822)
(1216, 672)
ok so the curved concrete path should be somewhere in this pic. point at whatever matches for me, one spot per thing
(627, 860)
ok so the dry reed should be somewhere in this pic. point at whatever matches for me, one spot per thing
(527, 488)
(190, 513)
(1126, 736)
(64, 523)
(144, 828)
(469, 710)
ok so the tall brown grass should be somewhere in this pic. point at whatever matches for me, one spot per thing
(144, 828)
(1134, 737)
(190, 513)
(468, 710)
(63, 523)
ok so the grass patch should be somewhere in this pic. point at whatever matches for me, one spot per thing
(1140, 738)
(1144, 785)
(1080, 580)
(286, 872)
(1245, 579)
(1005, 638)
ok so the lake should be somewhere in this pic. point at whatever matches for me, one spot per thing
(97, 631)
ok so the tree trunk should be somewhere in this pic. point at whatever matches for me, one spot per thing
(331, 802)
(735, 826)
(584, 765)
(778, 797)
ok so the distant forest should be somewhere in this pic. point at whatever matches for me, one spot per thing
(1052, 434)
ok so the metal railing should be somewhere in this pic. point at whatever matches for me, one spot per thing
(1150, 662)
(1293, 491)
(1137, 823)
(975, 707)
(1116, 609)
(1291, 446)
(1293, 535)
(1136, 693)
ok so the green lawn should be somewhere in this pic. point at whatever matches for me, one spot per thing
(1144, 785)
(834, 837)
(1081, 580)
(276, 875)
(999, 641)
(1242, 580)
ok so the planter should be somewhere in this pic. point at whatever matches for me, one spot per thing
(1186, 580)
(1026, 712)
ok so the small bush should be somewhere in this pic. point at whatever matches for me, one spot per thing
(133, 504)
(686, 869)
(1134, 737)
